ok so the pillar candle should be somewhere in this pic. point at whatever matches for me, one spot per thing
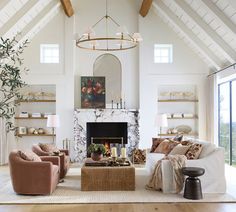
(113, 152)
(123, 152)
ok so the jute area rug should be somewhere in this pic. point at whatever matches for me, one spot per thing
(69, 192)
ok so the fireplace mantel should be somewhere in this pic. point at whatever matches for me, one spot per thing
(82, 116)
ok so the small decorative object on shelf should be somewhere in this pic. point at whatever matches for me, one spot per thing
(111, 104)
(31, 130)
(41, 131)
(36, 115)
(24, 115)
(47, 114)
(22, 130)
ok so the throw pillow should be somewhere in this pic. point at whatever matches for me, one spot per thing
(166, 146)
(155, 143)
(179, 150)
(194, 151)
(29, 156)
(178, 137)
(186, 143)
(49, 148)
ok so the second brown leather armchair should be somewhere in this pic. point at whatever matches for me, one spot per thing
(64, 158)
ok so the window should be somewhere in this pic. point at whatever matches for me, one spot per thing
(163, 53)
(49, 53)
(227, 120)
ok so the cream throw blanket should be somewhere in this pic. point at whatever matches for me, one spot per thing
(177, 162)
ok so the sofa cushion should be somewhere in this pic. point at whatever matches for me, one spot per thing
(29, 156)
(186, 142)
(155, 143)
(166, 146)
(178, 137)
(207, 147)
(179, 150)
(194, 151)
(49, 148)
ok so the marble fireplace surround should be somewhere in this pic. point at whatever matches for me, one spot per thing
(82, 116)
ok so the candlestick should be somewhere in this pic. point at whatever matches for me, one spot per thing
(123, 152)
(117, 105)
(112, 104)
(120, 103)
(114, 152)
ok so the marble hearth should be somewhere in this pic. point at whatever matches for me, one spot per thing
(82, 116)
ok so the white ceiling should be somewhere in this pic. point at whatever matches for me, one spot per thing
(207, 26)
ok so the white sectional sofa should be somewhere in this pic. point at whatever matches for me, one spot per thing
(211, 159)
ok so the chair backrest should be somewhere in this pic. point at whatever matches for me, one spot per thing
(37, 150)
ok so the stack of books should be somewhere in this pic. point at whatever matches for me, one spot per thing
(36, 115)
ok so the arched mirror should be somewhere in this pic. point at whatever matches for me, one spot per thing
(109, 66)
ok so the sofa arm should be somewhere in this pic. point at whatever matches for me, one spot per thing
(54, 159)
(64, 151)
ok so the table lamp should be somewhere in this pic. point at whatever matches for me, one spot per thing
(161, 121)
(53, 121)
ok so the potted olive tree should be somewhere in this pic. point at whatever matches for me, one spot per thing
(11, 68)
(96, 151)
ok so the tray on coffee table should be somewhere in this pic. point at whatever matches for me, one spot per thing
(107, 162)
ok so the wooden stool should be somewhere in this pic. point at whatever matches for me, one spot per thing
(193, 189)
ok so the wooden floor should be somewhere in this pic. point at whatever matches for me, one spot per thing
(160, 207)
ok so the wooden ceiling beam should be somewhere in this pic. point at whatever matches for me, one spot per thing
(146, 5)
(67, 6)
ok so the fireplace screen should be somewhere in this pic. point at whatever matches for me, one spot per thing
(109, 142)
(110, 134)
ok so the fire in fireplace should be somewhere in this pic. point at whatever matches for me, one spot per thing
(108, 133)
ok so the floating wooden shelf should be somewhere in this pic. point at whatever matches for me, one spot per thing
(21, 135)
(177, 134)
(177, 100)
(30, 117)
(40, 100)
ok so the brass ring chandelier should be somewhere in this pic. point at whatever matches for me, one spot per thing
(122, 40)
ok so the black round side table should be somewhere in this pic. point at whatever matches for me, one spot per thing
(193, 189)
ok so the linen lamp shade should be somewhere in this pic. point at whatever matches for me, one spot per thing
(53, 121)
(161, 120)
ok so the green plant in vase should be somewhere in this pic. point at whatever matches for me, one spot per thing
(96, 151)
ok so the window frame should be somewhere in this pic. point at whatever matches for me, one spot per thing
(161, 47)
(49, 59)
(230, 118)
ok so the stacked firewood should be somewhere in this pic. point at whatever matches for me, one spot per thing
(139, 156)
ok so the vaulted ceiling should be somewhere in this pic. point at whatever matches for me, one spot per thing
(207, 26)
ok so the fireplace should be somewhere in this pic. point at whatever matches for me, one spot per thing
(108, 133)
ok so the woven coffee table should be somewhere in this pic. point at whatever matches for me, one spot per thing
(107, 178)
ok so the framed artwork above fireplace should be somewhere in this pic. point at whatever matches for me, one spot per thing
(93, 93)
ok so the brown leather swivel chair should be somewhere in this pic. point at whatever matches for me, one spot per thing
(64, 158)
(33, 178)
